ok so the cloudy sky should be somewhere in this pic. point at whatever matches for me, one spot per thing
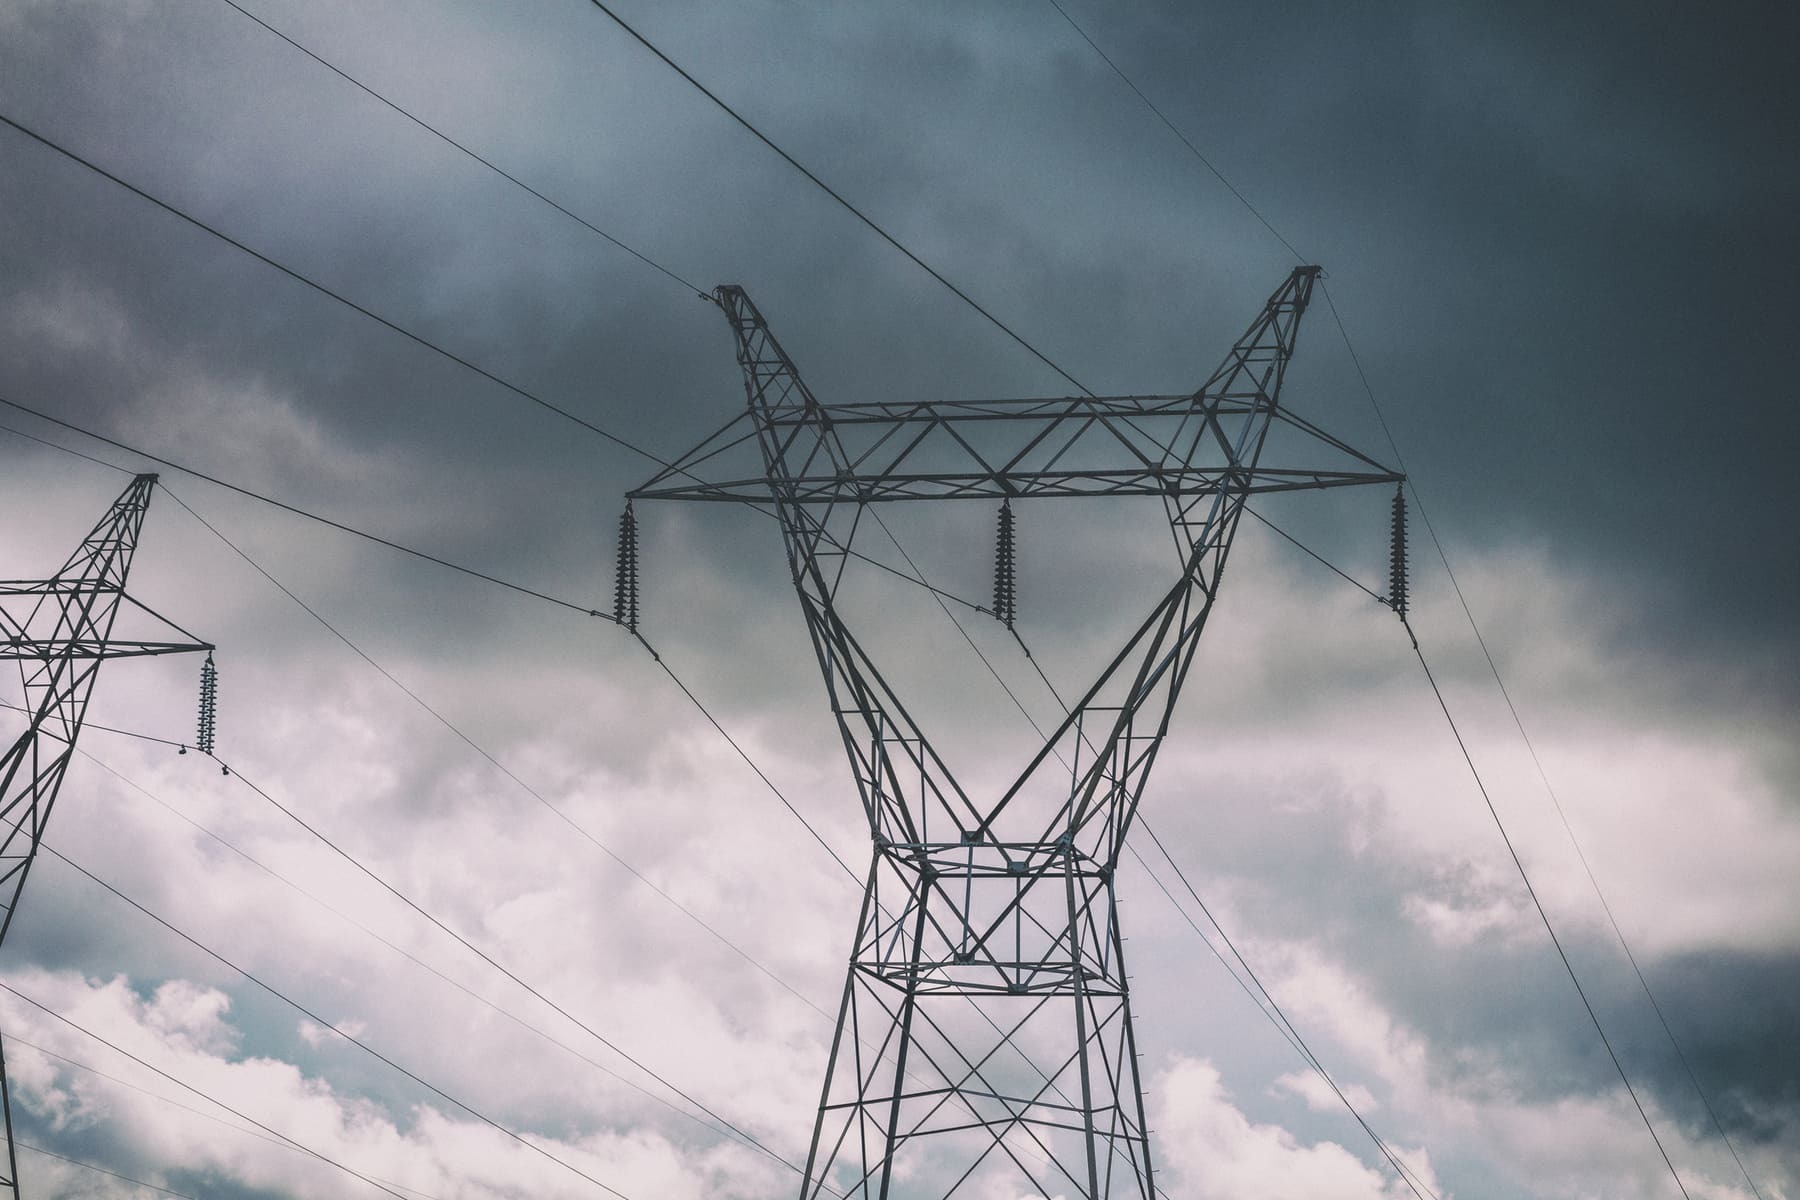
(1561, 240)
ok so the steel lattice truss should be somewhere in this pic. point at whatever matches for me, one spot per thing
(59, 630)
(985, 1028)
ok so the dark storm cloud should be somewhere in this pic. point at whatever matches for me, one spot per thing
(1562, 239)
(1742, 1050)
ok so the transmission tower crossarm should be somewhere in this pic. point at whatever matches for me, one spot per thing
(1071, 446)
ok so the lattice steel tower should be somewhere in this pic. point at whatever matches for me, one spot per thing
(59, 630)
(985, 1030)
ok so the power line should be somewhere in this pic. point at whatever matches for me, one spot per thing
(458, 359)
(1519, 864)
(241, 490)
(88, 1166)
(560, 813)
(521, 783)
(760, 773)
(291, 273)
(427, 966)
(555, 809)
(1275, 1013)
(387, 323)
(383, 541)
(31, 437)
(407, 954)
(13, 1039)
(854, 211)
(1518, 723)
(667, 669)
(1354, 582)
(450, 141)
(130, 733)
(353, 861)
(1467, 612)
(310, 1015)
(1399, 461)
(1544, 916)
(543, 800)
(412, 336)
(116, 1048)
(686, 691)
(460, 986)
(1193, 149)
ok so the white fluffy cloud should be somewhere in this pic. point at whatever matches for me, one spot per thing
(1214, 1150)
(186, 1030)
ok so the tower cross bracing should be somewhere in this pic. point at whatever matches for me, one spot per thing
(985, 1029)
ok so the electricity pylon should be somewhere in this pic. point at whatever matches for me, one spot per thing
(985, 1028)
(59, 630)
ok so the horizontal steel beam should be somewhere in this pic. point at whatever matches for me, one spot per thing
(1174, 480)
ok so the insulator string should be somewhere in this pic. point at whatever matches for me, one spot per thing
(625, 579)
(1006, 596)
(1397, 573)
(209, 706)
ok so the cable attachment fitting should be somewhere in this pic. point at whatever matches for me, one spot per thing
(1006, 597)
(625, 576)
(209, 707)
(1396, 597)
